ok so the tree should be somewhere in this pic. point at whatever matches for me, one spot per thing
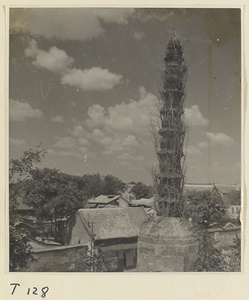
(209, 258)
(19, 171)
(97, 260)
(95, 185)
(203, 208)
(112, 185)
(92, 185)
(54, 195)
(141, 190)
(234, 198)
(233, 256)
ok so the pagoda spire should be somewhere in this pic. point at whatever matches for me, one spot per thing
(172, 130)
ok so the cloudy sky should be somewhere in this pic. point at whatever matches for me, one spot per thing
(84, 82)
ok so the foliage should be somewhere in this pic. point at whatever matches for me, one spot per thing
(234, 198)
(203, 208)
(53, 195)
(56, 195)
(212, 259)
(95, 185)
(233, 256)
(209, 258)
(19, 249)
(19, 171)
(112, 185)
(92, 185)
(141, 190)
(97, 261)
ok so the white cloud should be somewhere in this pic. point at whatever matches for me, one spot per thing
(78, 131)
(68, 23)
(70, 146)
(55, 60)
(107, 152)
(118, 129)
(203, 145)
(32, 49)
(150, 14)
(58, 119)
(83, 149)
(87, 154)
(128, 157)
(70, 152)
(216, 139)
(192, 151)
(83, 142)
(17, 142)
(219, 138)
(131, 118)
(94, 79)
(65, 142)
(115, 15)
(21, 111)
(194, 117)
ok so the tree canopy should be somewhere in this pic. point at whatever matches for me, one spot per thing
(54, 194)
(95, 185)
(234, 198)
(203, 207)
(141, 190)
(19, 171)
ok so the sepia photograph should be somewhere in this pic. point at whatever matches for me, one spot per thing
(124, 139)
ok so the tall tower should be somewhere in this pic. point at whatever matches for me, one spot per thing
(172, 130)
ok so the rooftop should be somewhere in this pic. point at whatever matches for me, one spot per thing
(200, 187)
(226, 188)
(143, 202)
(103, 199)
(112, 223)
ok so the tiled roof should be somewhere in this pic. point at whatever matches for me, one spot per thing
(225, 188)
(222, 188)
(114, 222)
(198, 187)
(103, 199)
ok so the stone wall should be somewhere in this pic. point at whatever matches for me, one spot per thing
(166, 245)
(57, 259)
(76, 258)
(225, 236)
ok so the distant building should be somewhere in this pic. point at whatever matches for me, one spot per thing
(223, 190)
(224, 235)
(199, 187)
(147, 204)
(25, 213)
(107, 201)
(114, 230)
(233, 211)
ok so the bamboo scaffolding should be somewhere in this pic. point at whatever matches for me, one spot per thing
(171, 132)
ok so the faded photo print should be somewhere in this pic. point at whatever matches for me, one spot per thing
(124, 139)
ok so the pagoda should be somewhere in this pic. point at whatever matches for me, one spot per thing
(172, 131)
